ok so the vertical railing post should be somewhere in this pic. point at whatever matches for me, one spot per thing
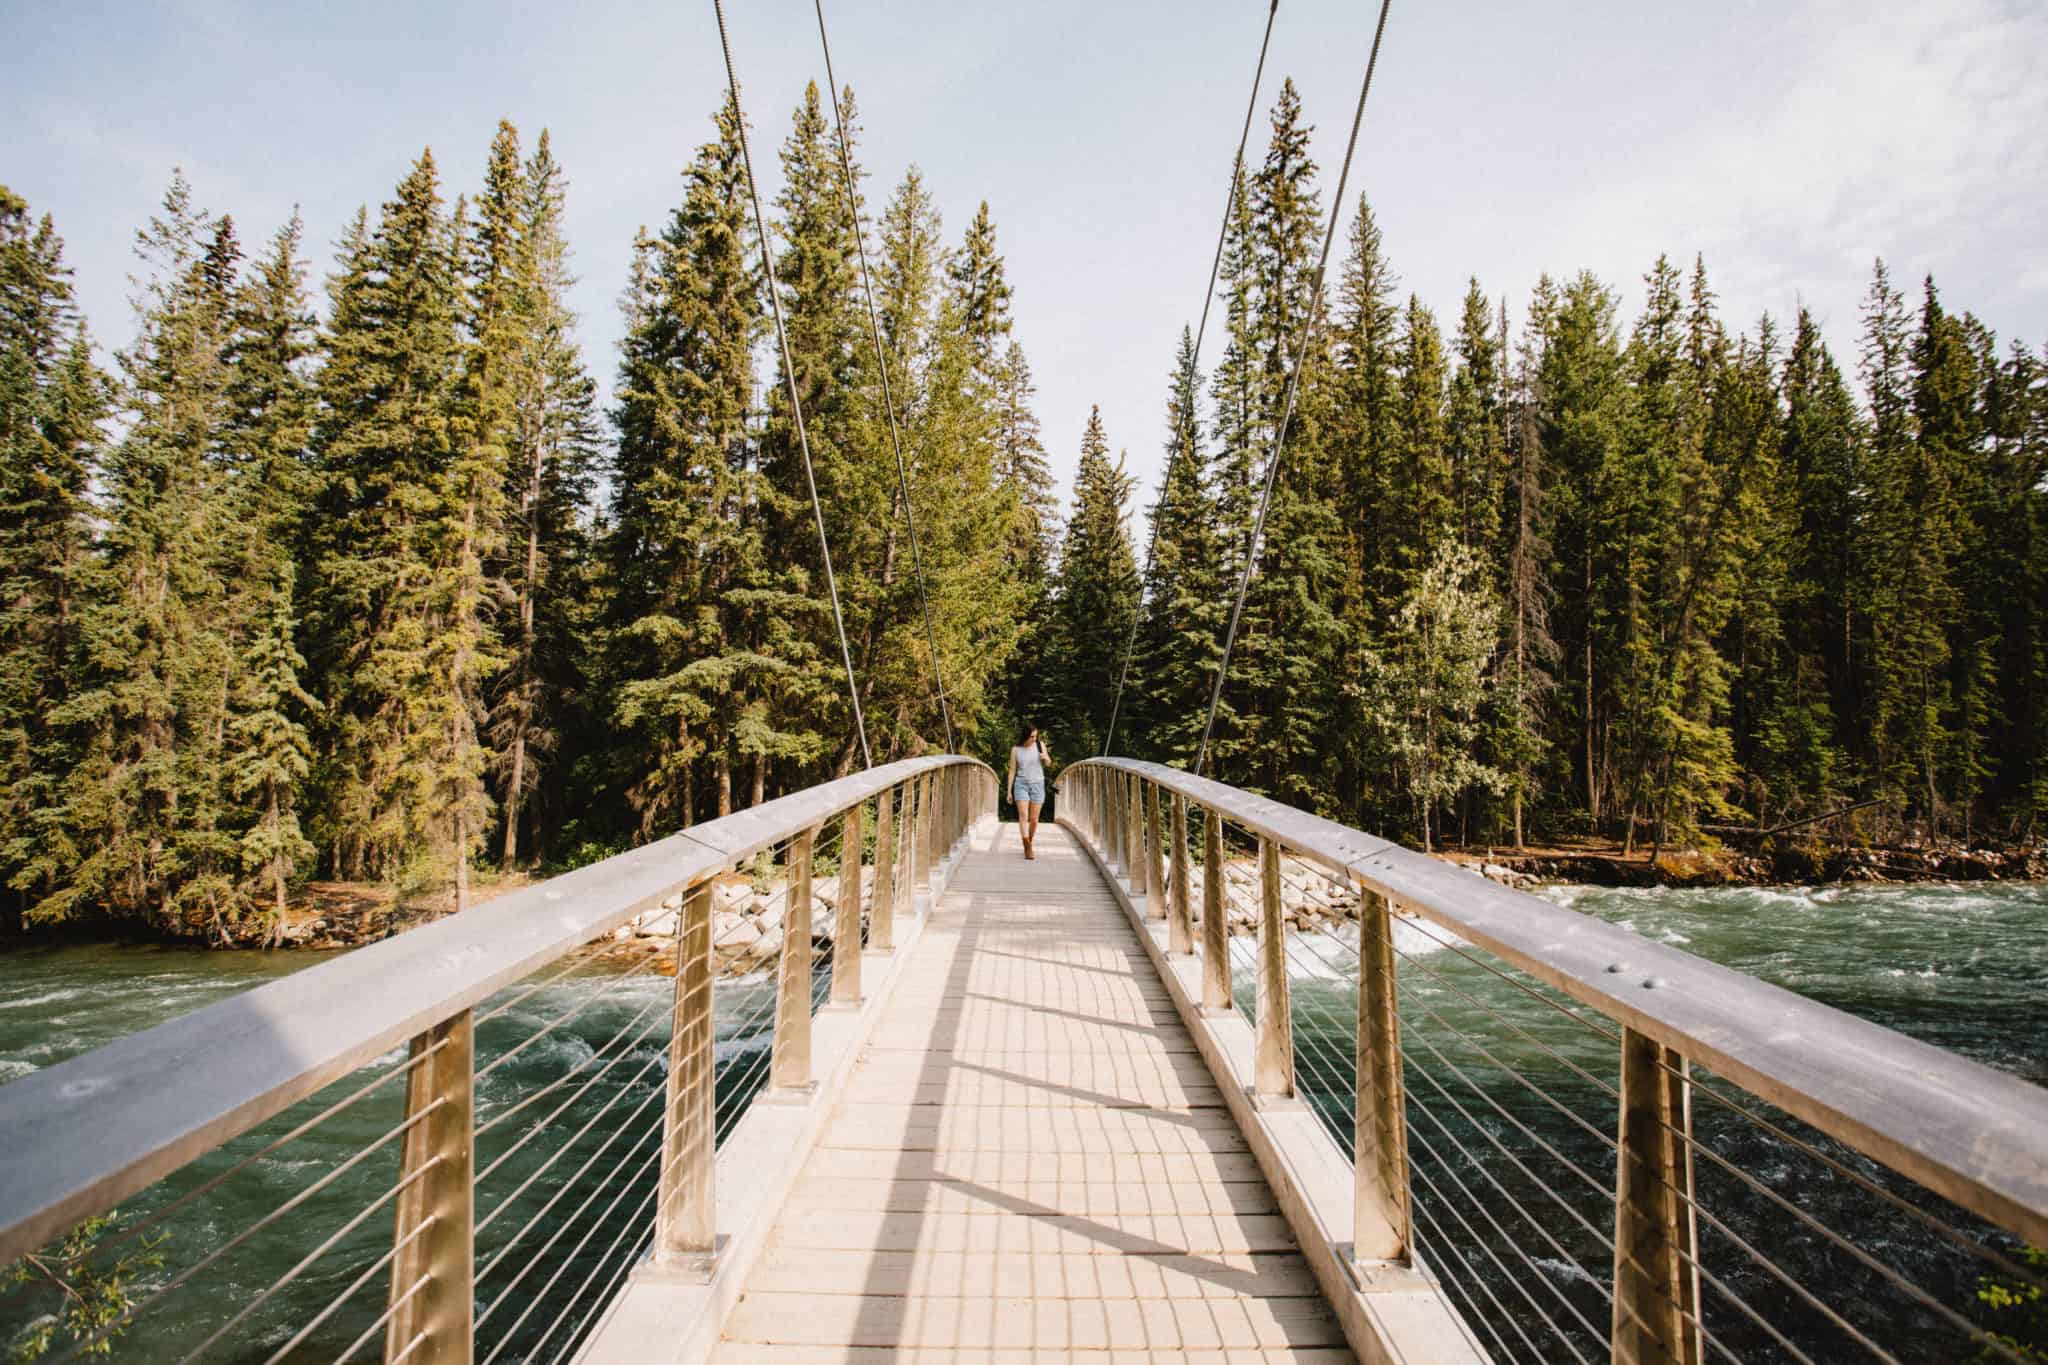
(1180, 930)
(1112, 823)
(433, 1275)
(789, 1061)
(1133, 827)
(846, 943)
(1142, 846)
(953, 823)
(927, 829)
(1155, 852)
(1656, 1238)
(908, 852)
(1380, 1228)
(1215, 920)
(685, 1217)
(1273, 1069)
(882, 913)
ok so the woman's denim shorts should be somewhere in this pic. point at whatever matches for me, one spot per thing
(1024, 789)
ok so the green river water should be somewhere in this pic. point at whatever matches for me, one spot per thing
(566, 1182)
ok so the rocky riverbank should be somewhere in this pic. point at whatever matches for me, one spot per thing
(1792, 864)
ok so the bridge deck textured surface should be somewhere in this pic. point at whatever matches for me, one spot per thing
(1031, 1162)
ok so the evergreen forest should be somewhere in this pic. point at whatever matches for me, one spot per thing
(361, 581)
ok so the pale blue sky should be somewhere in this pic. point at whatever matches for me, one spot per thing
(1789, 142)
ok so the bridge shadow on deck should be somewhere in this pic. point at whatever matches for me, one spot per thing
(1031, 1162)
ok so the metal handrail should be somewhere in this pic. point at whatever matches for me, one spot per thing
(1973, 1134)
(86, 1134)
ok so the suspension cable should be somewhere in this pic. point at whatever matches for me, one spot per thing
(1208, 297)
(867, 285)
(789, 373)
(1308, 336)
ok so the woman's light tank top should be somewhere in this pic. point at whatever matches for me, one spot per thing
(1029, 768)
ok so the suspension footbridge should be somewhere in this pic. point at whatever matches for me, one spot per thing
(1213, 1078)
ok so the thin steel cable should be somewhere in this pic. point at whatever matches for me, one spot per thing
(882, 362)
(345, 1295)
(1514, 1244)
(1194, 366)
(1466, 1307)
(535, 1299)
(144, 1224)
(1941, 1227)
(1458, 946)
(575, 958)
(382, 1318)
(619, 1131)
(598, 992)
(796, 409)
(409, 1347)
(564, 1107)
(275, 1286)
(184, 1276)
(1508, 1196)
(1513, 1072)
(1599, 1188)
(1884, 1271)
(1500, 1312)
(1308, 335)
(627, 1227)
(507, 1114)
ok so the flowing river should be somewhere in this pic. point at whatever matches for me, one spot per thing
(1964, 967)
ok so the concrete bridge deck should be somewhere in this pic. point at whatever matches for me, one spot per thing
(1031, 1161)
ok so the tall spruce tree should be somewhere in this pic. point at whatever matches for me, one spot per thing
(1520, 738)
(52, 400)
(556, 451)
(266, 434)
(686, 537)
(1096, 594)
(146, 804)
(395, 792)
(1185, 600)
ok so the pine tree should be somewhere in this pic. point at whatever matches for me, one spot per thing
(1908, 533)
(1473, 424)
(1096, 594)
(1426, 488)
(52, 400)
(977, 278)
(1288, 661)
(555, 452)
(146, 805)
(1580, 383)
(389, 550)
(1366, 436)
(685, 530)
(1185, 597)
(1519, 742)
(267, 430)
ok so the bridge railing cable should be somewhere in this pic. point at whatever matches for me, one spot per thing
(458, 1143)
(1600, 1146)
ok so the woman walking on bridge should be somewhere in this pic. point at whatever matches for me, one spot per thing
(1027, 782)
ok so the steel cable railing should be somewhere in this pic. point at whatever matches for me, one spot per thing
(560, 1042)
(1661, 1175)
